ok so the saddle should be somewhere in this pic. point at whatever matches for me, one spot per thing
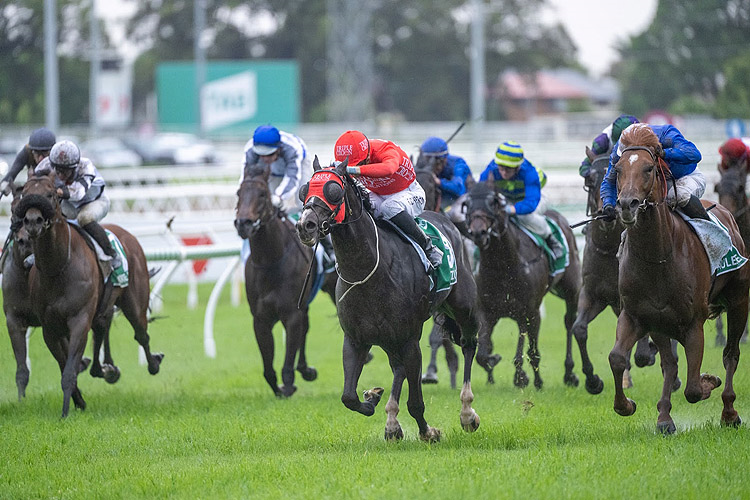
(120, 276)
(556, 265)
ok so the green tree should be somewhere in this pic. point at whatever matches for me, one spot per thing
(682, 53)
(734, 98)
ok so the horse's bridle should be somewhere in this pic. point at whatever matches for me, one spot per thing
(267, 214)
(488, 214)
(660, 165)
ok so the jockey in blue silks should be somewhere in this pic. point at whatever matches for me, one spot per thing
(521, 184)
(681, 156)
(453, 175)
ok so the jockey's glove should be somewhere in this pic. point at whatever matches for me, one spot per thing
(5, 187)
(353, 170)
(276, 200)
(609, 212)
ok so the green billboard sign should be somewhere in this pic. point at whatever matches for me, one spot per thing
(236, 95)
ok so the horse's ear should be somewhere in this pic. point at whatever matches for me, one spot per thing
(590, 154)
(341, 167)
(316, 164)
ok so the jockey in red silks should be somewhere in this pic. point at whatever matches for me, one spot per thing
(735, 150)
(388, 174)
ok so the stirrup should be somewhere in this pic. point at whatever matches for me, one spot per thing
(435, 256)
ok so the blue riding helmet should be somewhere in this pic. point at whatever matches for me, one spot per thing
(266, 140)
(434, 146)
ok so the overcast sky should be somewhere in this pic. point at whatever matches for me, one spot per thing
(595, 26)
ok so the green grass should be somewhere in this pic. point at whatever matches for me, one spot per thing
(210, 428)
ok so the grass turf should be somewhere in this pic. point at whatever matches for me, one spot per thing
(211, 428)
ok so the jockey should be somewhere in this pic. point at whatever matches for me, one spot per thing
(735, 150)
(603, 142)
(40, 143)
(519, 181)
(82, 191)
(451, 173)
(388, 174)
(290, 164)
(682, 158)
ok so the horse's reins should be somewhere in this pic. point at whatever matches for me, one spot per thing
(662, 166)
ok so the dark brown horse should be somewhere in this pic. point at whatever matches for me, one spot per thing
(68, 291)
(666, 284)
(19, 313)
(600, 270)
(274, 278)
(383, 296)
(732, 191)
(513, 278)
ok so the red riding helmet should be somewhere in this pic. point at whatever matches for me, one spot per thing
(353, 145)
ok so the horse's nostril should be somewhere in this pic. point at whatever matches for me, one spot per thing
(634, 204)
(310, 226)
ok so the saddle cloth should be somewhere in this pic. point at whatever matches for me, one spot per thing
(722, 254)
(447, 274)
(556, 266)
(120, 276)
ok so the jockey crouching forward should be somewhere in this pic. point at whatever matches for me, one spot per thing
(81, 188)
(518, 180)
(681, 156)
(388, 174)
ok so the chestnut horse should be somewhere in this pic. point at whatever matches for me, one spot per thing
(732, 191)
(67, 288)
(665, 282)
(274, 277)
(383, 296)
(513, 278)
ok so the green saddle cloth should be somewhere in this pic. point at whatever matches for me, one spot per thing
(558, 265)
(120, 276)
(446, 275)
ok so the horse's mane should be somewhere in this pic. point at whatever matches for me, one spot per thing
(481, 189)
(361, 193)
(640, 134)
(34, 201)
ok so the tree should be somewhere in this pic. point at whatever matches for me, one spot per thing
(682, 53)
(734, 98)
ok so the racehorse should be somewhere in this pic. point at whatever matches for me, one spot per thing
(19, 313)
(600, 269)
(67, 289)
(513, 277)
(426, 179)
(732, 190)
(383, 296)
(274, 277)
(666, 284)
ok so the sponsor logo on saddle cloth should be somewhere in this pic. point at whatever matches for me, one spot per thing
(722, 254)
(556, 266)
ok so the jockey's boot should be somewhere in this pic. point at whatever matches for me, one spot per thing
(330, 257)
(100, 236)
(408, 225)
(556, 247)
(694, 208)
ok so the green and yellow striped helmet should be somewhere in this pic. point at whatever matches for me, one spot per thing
(509, 154)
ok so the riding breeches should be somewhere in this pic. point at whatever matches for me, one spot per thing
(535, 221)
(90, 212)
(692, 184)
(411, 200)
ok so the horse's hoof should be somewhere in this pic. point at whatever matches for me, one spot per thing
(735, 422)
(85, 362)
(571, 379)
(520, 379)
(594, 385)
(431, 436)
(472, 425)
(677, 384)
(369, 357)
(430, 378)
(709, 383)
(153, 367)
(309, 373)
(110, 373)
(538, 383)
(394, 434)
(288, 390)
(626, 412)
(490, 378)
(666, 428)
(373, 395)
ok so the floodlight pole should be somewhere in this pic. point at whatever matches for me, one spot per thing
(51, 81)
